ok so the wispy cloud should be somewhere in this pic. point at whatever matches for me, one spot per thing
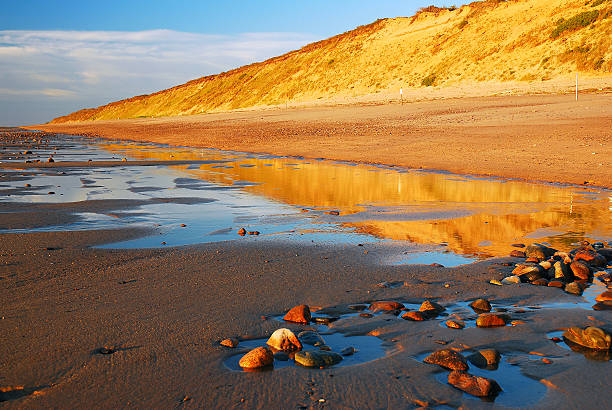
(89, 68)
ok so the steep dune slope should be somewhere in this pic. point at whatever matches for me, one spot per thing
(493, 40)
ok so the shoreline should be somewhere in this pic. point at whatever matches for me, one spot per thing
(508, 137)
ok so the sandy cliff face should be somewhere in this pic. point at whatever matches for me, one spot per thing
(486, 41)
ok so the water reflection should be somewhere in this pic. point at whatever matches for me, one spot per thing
(471, 216)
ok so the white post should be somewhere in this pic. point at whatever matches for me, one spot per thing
(576, 86)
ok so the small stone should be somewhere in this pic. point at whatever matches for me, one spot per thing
(486, 358)
(258, 357)
(532, 260)
(511, 280)
(574, 288)
(242, 231)
(605, 296)
(229, 342)
(385, 305)
(481, 305)
(517, 254)
(415, 316)
(540, 282)
(325, 348)
(436, 265)
(317, 358)
(539, 251)
(490, 320)
(605, 305)
(580, 270)
(335, 213)
(253, 233)
(347, 351)
(50, 160)
(311, 337)
(449, 359)
(496, 282)
(366, 315)
(431, 307)
(285, 340)
(518, 245)
(455, 324)
(556, 284)
(591, 337)
(474, 385)
(298, 314)
(183, 225)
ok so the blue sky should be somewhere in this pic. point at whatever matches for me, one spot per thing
(60, 56)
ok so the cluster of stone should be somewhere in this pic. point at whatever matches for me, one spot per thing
(571, 271)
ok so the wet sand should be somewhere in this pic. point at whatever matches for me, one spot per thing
(534, 137)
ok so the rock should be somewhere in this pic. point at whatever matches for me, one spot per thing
(580, 270)
(563, 272)
(539, 251)
(242, 231)
(386, 305)
(605, 296)
(511, 280)
(518, 245)
(366, 315)
(415, 316)
(605, 305)
(455, 324)
(431, 307)
(347, 351)
(449, 359)
(532, 260)
(522, 269)
(258, 357)
(590, 337)
(310, 337)
(325, 348)
(229, 342)
(474, 385)
(285, 340)
(317, 358)
(335, 213)
(481, 305)
(486, 358)
(546, 265)
(574, 288)
(298, 314)
(589, 255)
(495, 282)
(253, 232)
(517, 254)
(540, 282)
(50, 160)
(491, 320)
(556, 284)
(324, 320)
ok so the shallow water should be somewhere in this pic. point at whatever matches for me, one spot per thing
(465, 218)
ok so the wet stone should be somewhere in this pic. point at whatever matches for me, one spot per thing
(317, 358)
(580, 270)
(518, 245)
(491, 320)
(311, 337)
(485, 359)
(455, 324)
(348, 351)
(366, 315)
(540, 282)
(539, 251)
(511, 280)
(449, 359)
(589, 255)
(385, 305)
(229, 342)
(285, 340)
(605, 305)
(480, 305)
(242, 231)
(415, 316)
(517, 254)
(430, 307)
(574, 288)
(474, 385)
(563, 271)
(590, 337)
(556, 284)
(605, 296)
(298, 314)
(258, 357)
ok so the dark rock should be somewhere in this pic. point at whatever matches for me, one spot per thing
(242, 231)
(474, 385)
(574, 288)
(310, 337)
(386, 305)
(50, 160)
(415, 316)
(580, 270)
(540, 282)
(590, 337)
(335, 213)
(258, 357)
(605, 305)
(324, 320)
(589, 255)
(517, 254)
(298, 314)
(358, 307)
(563, 272)
(485, 359)
(449, 359)
(481, 305)
(347, 351)
(317, 358)
(282, 356)
(491, 320)
(518, 245)
(606, 253)
(455, 324)
(539, 251)
(604, 297)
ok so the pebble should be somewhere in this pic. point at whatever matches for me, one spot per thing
(310, 337)
(317, 358)
(285, 340)
(474, 385)
(574, 288)
(449, 359)
(490, 320)
(366, 315)
(485, 358)
(229, 342)
(258, 357)
(386, 305)
(241, 231)
(431, 307)
(253, 232)
(495, 282)
(50, 160)
(415, 316)
(518, 245)
(298, 314)
(511, 280)
(347, 351)
(556, 284)
(517, 254)
(335, 213)
(591, 337)
(455, 324)
(481, 305)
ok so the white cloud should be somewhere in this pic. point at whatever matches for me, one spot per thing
(90, 68)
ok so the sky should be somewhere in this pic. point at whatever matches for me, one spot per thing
(59, 56)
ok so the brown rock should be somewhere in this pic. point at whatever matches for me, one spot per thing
(563, 271)
(580, 270)
(474, 385)
(540, 282)
(429, 307)
(605, 296)
(449, 359)
(517, 254)
(229, 342)
(591, 337)
(556, 284)
(414, 316)
(455, 324)
(298, 314)
(481, 305)
(538, 251)
(574, 288)
(518, 245)
(590, 255)
(486, 358)
(285, 340)
(491, 320)
(258, 357)
(386, 305)
(605, 305)
(242, 231)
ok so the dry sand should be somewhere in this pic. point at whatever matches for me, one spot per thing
(537, 137)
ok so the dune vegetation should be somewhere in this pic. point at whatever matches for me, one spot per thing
(486, 41)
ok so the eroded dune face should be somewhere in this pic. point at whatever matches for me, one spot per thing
(478, 45)
(470, 215)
